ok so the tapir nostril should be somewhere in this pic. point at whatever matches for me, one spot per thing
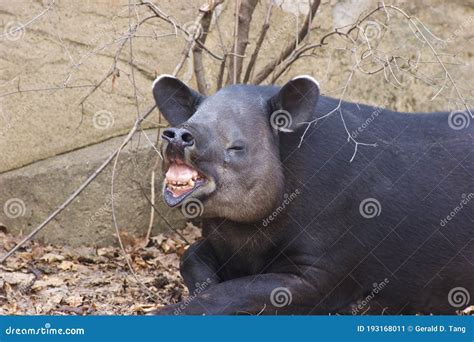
(187, 138)
(168, 134)
(178, 136)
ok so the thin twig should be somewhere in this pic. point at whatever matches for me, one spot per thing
(32, 90)
(223, 64)
(169, 19)
(152, 202)
(191, 40)
(414, 21)
(117, 231)
(233, 66)
(338, 108)
(29, 22)
(170, 226)
(112, 186)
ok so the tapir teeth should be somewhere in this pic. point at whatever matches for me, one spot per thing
(177, 185)
(190, 182)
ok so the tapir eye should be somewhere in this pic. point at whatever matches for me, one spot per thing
(236, 146)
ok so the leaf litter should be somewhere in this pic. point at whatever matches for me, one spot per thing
(45, 279)
(60, 280)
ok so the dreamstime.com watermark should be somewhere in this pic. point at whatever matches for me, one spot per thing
(465, 199)
(46, 330)
(371, 30)
(200, 288)
(355, 133)
(192, 31)
(281, 120)
(192, 208)
(288, 198)
(281, 296)
(377, 288)
(370, 208)
(103, 209)
(102, 120)
(14, 31)
(465, 24)
(14, 207)
(7, 123)
(459, 119)
(280, 31)
(459, 297)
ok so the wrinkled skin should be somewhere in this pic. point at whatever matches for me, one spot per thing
(283, 231)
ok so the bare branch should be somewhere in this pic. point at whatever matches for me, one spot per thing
(415, 22)
(191, 40)
(165, 220)
(267, 69)
(220, 76)
(258, 45)
(169, 20)
(197, 50)
(339, 109)
(113, 68)
(244, 12)
(223, 65)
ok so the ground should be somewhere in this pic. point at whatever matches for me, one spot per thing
(57, 280)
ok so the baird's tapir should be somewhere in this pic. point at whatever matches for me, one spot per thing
(313, 205)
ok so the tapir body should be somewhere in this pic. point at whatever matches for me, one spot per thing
(346, 208)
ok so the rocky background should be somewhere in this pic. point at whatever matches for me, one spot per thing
(72, 85)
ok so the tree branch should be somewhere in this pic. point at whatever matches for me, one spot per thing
(241, 33)
(169, 20)
(267, 69)
(197, 50)
(258, 45)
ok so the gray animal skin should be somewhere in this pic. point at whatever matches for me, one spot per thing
(314, 225)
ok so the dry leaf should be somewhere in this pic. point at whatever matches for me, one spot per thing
(158, 239)
(140, 262)
(74, 301)
(51, 257)
(67, 265)
(47, 282)
(108, 252)
(17, 278)
(142, 308)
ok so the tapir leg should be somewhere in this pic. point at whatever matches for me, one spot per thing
(269, 293)
(198, 267)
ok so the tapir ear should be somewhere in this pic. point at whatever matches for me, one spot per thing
(294, 104)
(175, 99)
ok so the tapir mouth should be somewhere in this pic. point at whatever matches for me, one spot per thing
(181, 180)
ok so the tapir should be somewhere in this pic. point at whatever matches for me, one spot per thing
(311, 205)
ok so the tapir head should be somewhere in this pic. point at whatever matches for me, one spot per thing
(224, 150)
